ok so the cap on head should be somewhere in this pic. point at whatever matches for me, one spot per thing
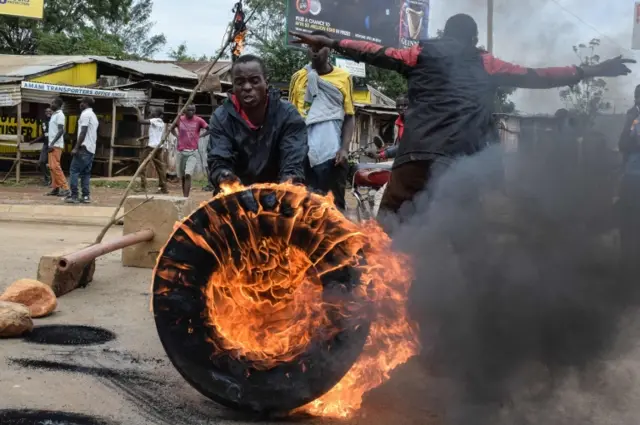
(462, 27)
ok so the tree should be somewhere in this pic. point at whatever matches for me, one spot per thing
(135, 35)
(586, 98)
(118, 28)
(181, 54)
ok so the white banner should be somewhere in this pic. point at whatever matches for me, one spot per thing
(356, 69)
(77, 91)
(635, 40)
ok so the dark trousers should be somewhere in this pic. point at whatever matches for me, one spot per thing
(329, 177)
(81, 167)
(43, 162)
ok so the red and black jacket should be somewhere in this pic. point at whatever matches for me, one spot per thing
(451, 92)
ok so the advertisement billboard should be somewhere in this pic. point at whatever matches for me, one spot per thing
(391, 23)
(23, 8)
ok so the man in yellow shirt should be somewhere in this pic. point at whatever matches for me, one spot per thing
(323, 95)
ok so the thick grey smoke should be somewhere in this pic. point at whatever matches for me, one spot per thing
(541, 33)
(521, 303)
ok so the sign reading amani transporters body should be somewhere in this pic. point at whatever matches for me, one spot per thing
(77, 91)
(24, 8)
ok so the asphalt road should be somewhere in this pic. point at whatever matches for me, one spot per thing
(129, 379)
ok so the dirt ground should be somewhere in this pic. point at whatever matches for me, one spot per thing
(129, 380)
(101, 196)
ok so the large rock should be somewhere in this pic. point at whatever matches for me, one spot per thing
(38, 297)
(14, 319)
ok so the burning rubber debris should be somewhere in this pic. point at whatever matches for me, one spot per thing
(268, 299)
(69, 335)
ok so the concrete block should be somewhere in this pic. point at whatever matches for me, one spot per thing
(159, 214)
(64, 282)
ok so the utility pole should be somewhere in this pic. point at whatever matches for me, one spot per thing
(490, 26)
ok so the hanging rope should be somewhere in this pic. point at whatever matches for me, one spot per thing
(239, 31)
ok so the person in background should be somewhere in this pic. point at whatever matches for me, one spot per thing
(322, 94)
(59, 186)
(44, 152)
(83, 153)
(187, 131)
(156, 131)
(629, 192)
(402, 103)
(255, 136)
(628, 143)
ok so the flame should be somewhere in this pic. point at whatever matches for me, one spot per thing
(239, 43)
(268, 307)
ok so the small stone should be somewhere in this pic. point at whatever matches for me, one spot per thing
(36, 296)
(14, 319)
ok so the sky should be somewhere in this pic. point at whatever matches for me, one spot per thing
(528, 32)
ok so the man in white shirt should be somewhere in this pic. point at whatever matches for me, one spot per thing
(59, 186)
(156, 131)
(83, 152)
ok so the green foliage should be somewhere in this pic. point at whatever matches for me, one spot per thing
(120, 28)
(181, 54)
(388, 82)
(586, 99)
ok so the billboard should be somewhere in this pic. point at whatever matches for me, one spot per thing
(391, 23)
(23, 8)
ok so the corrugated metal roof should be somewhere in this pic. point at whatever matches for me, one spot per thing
(150, 68)
(25, 66)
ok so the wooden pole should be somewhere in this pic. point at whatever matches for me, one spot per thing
(18, 153)
(113, 137)
(490, 26)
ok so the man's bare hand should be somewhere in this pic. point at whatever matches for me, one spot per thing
(317, 41)
(615, 67)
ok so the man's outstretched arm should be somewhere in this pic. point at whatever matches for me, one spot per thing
(400, 60)
(507, 74)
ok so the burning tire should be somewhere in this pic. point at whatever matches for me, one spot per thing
(258, 298)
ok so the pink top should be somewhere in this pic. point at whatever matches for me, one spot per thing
(189, 132)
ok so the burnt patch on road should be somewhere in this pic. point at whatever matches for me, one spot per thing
(69, 335)
(44, 417)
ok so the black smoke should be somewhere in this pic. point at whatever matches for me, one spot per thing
(521, 299)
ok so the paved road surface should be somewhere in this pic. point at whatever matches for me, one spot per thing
(129, 380)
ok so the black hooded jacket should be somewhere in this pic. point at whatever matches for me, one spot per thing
(451, 92)
(272, 153)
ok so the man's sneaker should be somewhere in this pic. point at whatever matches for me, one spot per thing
(71, 200)
(163, 191)
(54, 192)
(64, 193)
(85, 200)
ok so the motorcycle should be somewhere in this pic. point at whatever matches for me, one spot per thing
(368, 181)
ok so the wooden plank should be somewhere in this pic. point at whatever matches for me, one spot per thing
(10, 138)
(113, 137)
(18, 153)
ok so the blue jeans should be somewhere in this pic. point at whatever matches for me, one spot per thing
(80, 167)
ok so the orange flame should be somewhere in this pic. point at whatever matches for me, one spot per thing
(269, 309)
(239, 43)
